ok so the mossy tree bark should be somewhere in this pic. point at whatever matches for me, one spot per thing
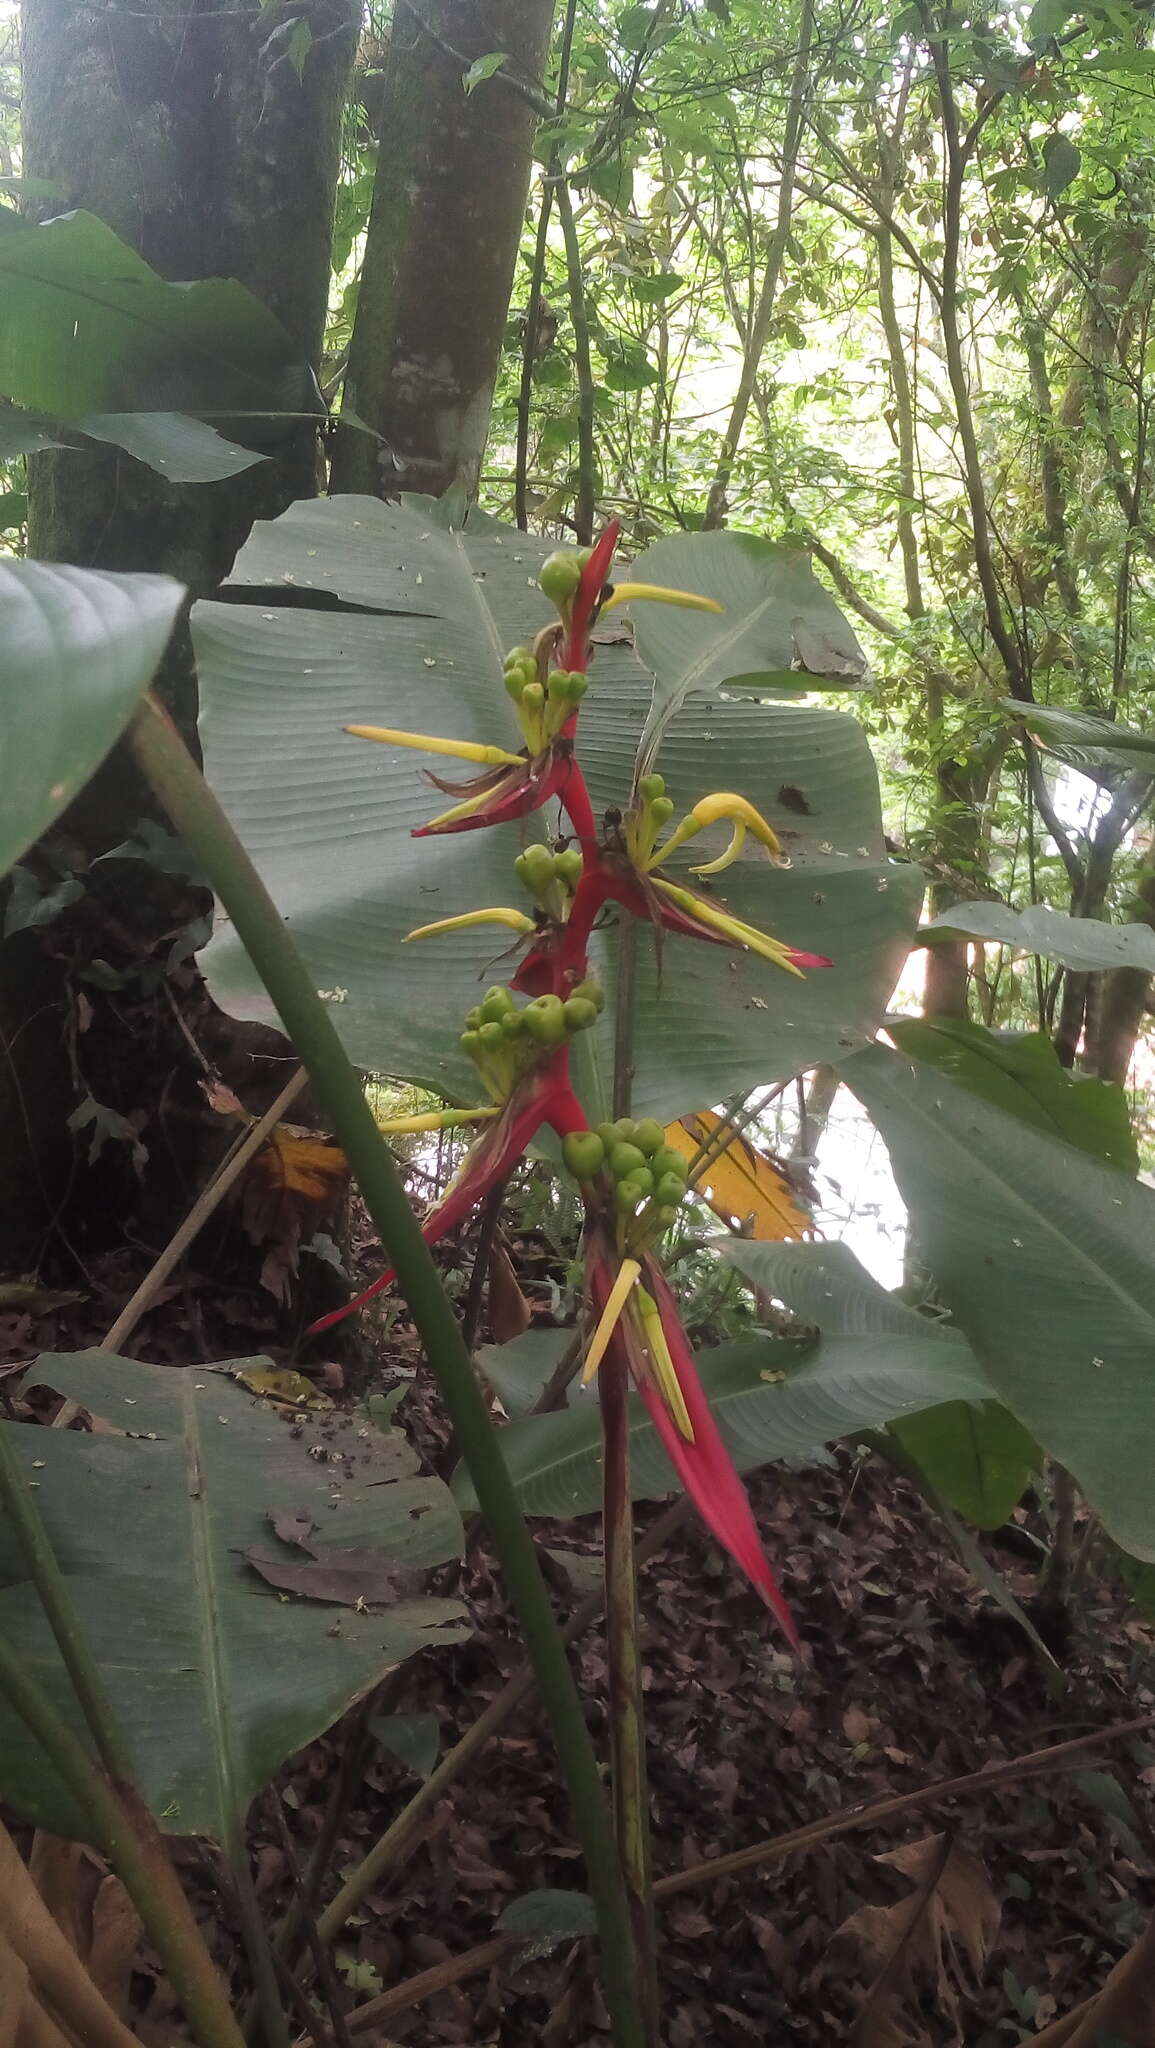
(448, 207)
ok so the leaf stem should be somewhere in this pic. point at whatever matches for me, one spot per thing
(193, 809)
(124, 1829)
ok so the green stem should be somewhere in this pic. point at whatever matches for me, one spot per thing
(626, 1699)
(124, 1829)
(194, 811)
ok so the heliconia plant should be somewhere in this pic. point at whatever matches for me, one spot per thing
(632, 1184)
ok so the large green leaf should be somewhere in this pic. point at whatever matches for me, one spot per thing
(184, 450)
(1047, 1260)
(1019, 1071)
(1079, 942)
(215, 1678)
(327, 818)
(768, 1406)
(90, 327)
(1084, 740)
(974, 1453)
(778, 629)
(77, 647)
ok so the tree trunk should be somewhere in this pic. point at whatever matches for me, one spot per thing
(190, 133)
(448, 207)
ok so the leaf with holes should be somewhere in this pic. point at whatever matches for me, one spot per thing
(741, 1184)
(214, 1678)
(1084, 943)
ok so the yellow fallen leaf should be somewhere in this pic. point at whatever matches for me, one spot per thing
(301, 1163)
(741, 1183)
(276, 1383)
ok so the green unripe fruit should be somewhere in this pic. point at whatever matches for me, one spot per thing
(557, 684)
(559, 575)
(491, 1036)
(533, 699)
(669, 1191)
(664, 1215)
(583, 1154)
(470, 1043)
(472, 1019)
(545, 1020)
(496, 1004)
(651, 786)
(648, 1135)
(625, 1161)
(518, 656)
(608, 1133)
(577, 687)
(513, 1024)
(643, 1179)
(591, 992)
(661, 810)
(627, 1195)
(514, 683)
(625, 1128)
(666, 1160)
(567, 867)
(579, 1015)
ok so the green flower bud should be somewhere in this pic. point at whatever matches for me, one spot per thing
(496, 1004)
(666, 1160)
(514, 683)
(533, 699)
(557, 685)
(583, 1154)
(545, 1020)
(651, 786)
(625, 1161)
(491, 1036)
(470, 1043)
(579, 1015)
(669, 1191)
(628, 1194)
(472, 1019)
(559, 575)
(578, 685)
(513, 1024)
(661, 810)
(518, 656)
(567, 867)
(648, 1134)
(592, 992)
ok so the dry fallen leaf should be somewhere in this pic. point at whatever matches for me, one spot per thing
(742, 1183)
(344, 1578)
(930, 1946)
(276, 1383)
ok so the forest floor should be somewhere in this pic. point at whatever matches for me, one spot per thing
(974, 1921)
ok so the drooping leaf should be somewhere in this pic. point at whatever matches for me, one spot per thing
(414, 1739)
(90, 327)
(741, 1184)
(1078, 942)
(778, 628)
(1019, 1071)
(78, 647)
(974, 1453)
(549, 1916)
(1084, 740)
(518, 1370)
(214, 1678)
(483, 68)
(186, 451)
(1045, 1259)
(768, 1404)
(327, 817)
(1062, 159)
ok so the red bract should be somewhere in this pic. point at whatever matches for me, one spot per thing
(704, 1465)
(545, 1096)
(506, 793)
(594, 576)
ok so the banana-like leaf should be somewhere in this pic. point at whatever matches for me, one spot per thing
(1020, 1071)
(1084, 740)
(214, 1677)
(1046, 1260)
(974, 1453)
(327, 817)
(78, 646)
(90, 327)
(1078, 942)
(769, 1405)
(779, 629)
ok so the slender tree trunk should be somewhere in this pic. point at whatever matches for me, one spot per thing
(446, 222)
(759, 331)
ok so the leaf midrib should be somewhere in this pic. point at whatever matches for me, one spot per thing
(207, 1600)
